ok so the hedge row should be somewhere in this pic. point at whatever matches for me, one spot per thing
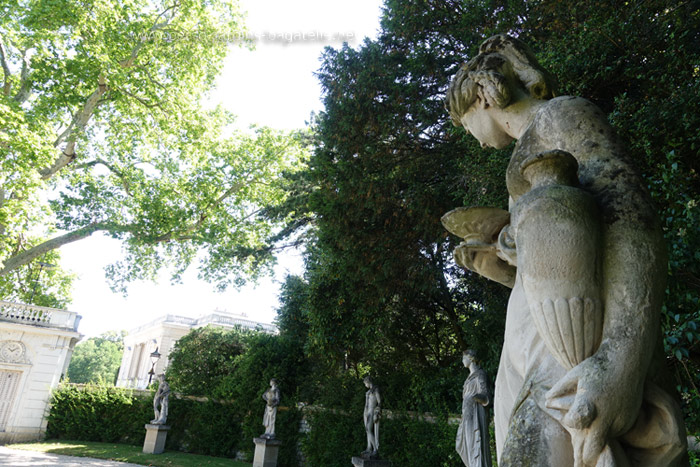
(116, 415)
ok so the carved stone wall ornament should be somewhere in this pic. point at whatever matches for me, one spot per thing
(580, 381)
(13, 352)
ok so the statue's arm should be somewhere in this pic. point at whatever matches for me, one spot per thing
(601, 396)
(378, 407)
(483, 397)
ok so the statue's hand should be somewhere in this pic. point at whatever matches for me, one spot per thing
(600, 401)
(481, 399)
(377, 414)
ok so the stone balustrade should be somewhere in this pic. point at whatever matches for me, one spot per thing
(38, 315)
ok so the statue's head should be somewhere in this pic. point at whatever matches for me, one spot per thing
(468, 356)
(504, 63)
(368, 381)
(273, 382)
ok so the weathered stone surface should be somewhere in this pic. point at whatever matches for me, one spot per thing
(272, 401)
(372, 414)
(266, 451)
(155, 438)
(161, 401)
(472, 441)
(579, 380)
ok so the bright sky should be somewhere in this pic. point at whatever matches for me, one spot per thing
(274, 86)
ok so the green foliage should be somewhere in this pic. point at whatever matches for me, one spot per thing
(334, 438)
(108, 414)
(208, 428)
(97, 359)
(380, 291)
(412, 442)
(102, 129)
(406, 441)
(203, 358)
(98, 413)
(35, 284)
(236, 366)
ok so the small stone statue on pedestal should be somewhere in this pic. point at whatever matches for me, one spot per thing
(272, 397)
(267, 445)
(371, 416)
(157, 430)
(373, 410)
(473, 433)
(160, 401)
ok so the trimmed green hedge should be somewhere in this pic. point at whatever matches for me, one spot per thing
(115, 415)
(94, 413)
(408, 442)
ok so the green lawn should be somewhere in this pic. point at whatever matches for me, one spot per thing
(127, 453)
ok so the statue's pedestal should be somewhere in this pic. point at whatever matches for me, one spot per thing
(266, 451)
(155, 438)
(358, 461)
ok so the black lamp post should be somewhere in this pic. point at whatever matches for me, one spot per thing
(155, 356)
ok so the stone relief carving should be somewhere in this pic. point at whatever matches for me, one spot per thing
(580, 381)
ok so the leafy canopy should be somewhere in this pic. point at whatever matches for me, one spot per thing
(97, 359)
(103, 129)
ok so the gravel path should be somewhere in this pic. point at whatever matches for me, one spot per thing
(19, 458)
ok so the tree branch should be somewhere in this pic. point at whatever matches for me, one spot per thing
(80, 121)
(34, 252)
(6, 70)
(156, 26)
(99, 161)
(24, 84)
(185, 234)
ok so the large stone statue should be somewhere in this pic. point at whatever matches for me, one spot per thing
(580, 378)
(272, 398)
(473, 433)
(160, 401)
(372, 413)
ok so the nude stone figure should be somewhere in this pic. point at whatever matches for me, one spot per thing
(372, 413)
(160, 402)
(580, 381)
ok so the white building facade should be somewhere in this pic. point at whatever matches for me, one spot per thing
(36, 344)
(161, 334)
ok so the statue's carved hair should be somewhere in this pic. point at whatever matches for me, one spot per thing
(503, 62)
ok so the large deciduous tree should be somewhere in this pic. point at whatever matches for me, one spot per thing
(103, 130)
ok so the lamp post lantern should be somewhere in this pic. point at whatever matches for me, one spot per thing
(155, 356)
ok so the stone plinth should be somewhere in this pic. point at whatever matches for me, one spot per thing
(266, 451)
(358, 461)
(155, 438)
